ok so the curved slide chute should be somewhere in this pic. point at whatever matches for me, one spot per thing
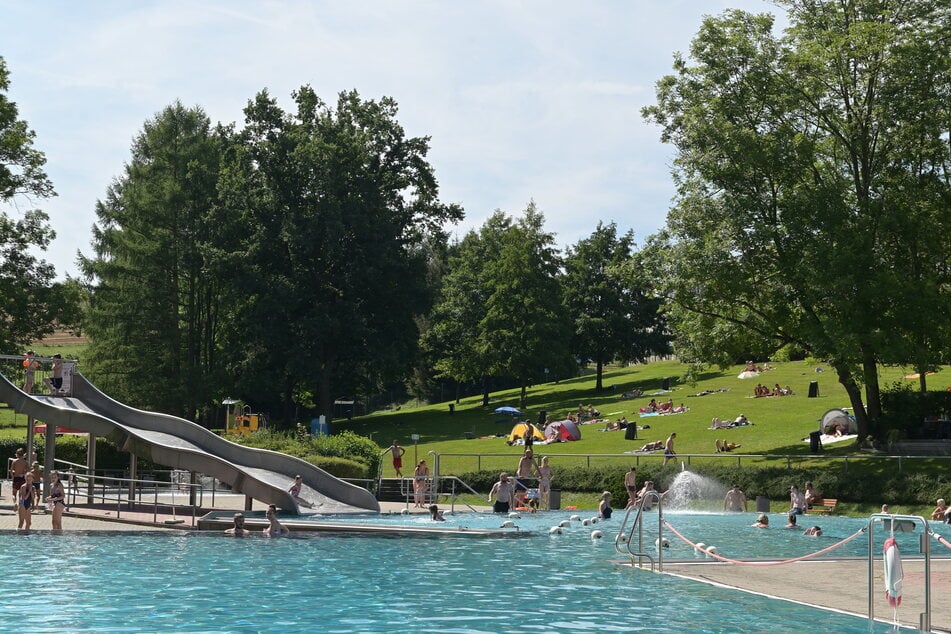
(180, 444)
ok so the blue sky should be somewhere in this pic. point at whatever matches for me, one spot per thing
(523, 100)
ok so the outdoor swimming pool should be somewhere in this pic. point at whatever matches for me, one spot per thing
(191, 582)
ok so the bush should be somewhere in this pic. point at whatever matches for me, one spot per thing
(348, 446)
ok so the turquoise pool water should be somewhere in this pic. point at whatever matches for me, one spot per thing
(331, 583)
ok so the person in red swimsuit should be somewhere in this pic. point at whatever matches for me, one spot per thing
(397, 452)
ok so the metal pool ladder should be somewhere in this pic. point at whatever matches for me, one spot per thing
(624, 541)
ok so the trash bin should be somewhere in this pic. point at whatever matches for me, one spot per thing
(815, 441)
(813, 389)
(630, 432)
(554, 499)
(665, 384)
(452, 409)
(762, 504)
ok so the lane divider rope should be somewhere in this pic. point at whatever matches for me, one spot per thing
(719, 557)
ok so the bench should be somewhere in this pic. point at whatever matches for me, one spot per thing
(824, 506)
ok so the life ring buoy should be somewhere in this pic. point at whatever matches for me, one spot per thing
(893, 572)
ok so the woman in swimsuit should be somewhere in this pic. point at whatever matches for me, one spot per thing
(295, 492)
(25, 501)
(544, 483)
(57, 500)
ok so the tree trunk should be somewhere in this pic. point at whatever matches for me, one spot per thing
(873, 396)
(523, 398)
(485, 390)
(855, 398)
(598, 385)
(457, 392)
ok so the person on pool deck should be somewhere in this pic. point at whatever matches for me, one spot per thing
(55, 382)
(503, 491)
(57, 498)
(18, 469)
(435, 514)
(25, 500)
(274, 528)
(238, 530)
(797, 502)
(604, 507)
(940, 511)
(37, 472)
(885, 508)
(30, 366)
(735, 499)
(791, 521)
(762, 521)
(544, 484)
(810, 495)
(669, 453)
(397, 453)
(814, 531)
(295, 490)
(630, 483)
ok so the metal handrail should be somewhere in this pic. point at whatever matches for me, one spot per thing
(121, 484)
(638, 524)
(686, 457)
(924, 619)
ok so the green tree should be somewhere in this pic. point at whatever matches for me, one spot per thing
(793, 222)
(337, 203)
(31, 301)
(525, 328)
(613, 319)
(154, 305)
(454, 339)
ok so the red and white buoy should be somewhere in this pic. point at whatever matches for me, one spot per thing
(893, 572)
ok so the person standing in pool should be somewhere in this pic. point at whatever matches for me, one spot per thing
(238, 530)
(669, 453)
(25, 500)
(735, 499)
(544, 484)
(503, 492)
(604, 507)
(420, 484)
(435, 514)
(274, 528)
(630, 483)
(57, 500)
(397, 454)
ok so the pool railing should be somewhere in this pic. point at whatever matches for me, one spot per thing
(625, 536)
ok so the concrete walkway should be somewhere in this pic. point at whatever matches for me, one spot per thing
(839, 585)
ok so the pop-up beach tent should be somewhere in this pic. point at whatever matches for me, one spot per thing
(519, 432)
(562, 430)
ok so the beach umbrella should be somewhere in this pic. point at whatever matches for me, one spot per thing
(505, 409)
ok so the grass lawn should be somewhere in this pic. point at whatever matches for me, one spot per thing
(780, 423)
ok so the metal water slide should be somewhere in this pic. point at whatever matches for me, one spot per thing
(180, 444)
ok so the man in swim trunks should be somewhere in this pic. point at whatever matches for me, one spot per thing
(669, 453)
(503, 492)
(18, 469)
(526, 469)
(630, 483)
(397, 452)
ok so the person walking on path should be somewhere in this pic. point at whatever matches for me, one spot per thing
(669, 453)
(397, 453)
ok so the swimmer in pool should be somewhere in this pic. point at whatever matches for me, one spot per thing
(275, 528)
(238, 530)
(814, 531)
(762, 521)
(435, 514)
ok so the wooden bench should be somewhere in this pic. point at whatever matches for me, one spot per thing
(824, 506)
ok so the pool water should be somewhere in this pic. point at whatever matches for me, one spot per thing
(201, 582)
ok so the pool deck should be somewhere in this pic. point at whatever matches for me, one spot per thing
(834, 584)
